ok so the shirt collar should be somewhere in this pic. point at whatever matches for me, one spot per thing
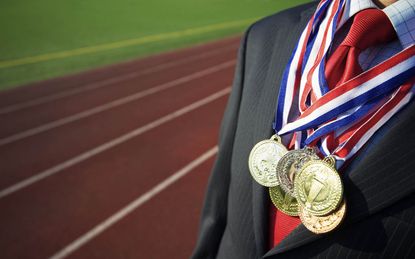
(401, 14)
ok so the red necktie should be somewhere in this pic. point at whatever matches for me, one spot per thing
(370, 27)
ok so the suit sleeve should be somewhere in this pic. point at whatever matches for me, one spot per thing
(214, 213)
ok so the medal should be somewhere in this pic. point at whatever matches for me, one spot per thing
(263, 160)
(322, 224)
(290, 164)
(283, 201)
(318, 187)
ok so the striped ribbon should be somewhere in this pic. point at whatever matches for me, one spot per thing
(353, 111)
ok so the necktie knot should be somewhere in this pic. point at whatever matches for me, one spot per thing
(370, 27)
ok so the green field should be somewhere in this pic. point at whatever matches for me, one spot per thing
(47, 38)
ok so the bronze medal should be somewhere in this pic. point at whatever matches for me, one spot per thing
(323, 224)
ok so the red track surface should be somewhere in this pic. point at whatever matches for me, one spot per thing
(41, 218)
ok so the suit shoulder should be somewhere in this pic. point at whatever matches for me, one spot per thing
(281, 20)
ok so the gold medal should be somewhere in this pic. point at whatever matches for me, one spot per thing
(290, 164)
(318, 187)
(283, 201)
(263, 160)
(322, 224)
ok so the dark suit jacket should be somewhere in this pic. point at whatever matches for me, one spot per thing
(379, 183)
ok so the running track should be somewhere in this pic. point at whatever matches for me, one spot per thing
(114, 162)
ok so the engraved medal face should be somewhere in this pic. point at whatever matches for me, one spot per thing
(322, 224)
(290, 164)
(263, 161)
(318, 188)
(283, 201)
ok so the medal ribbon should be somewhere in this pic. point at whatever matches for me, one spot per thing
(353, 139)
(375, 82)
(353, 111)
(299, 63)
(302, 61)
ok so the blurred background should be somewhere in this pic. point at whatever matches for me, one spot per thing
(109, 114)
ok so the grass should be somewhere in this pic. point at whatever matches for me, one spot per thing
(46, 28)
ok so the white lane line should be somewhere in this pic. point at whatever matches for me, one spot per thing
(101, 227)
(110, 144)
(108, 81)
(112, 104)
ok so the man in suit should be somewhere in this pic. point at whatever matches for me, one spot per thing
(379, 183)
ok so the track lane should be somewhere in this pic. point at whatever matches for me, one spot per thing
(62, 203)
(26, 119)
(103, 83)
(108, 81)
(67, 83)
(45, 150)
(166, 227)
(157, 190)
(115, 103)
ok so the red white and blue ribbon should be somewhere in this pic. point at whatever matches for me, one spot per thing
(375, 82)
(304, 57)
(355, 137)
(353, 111)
